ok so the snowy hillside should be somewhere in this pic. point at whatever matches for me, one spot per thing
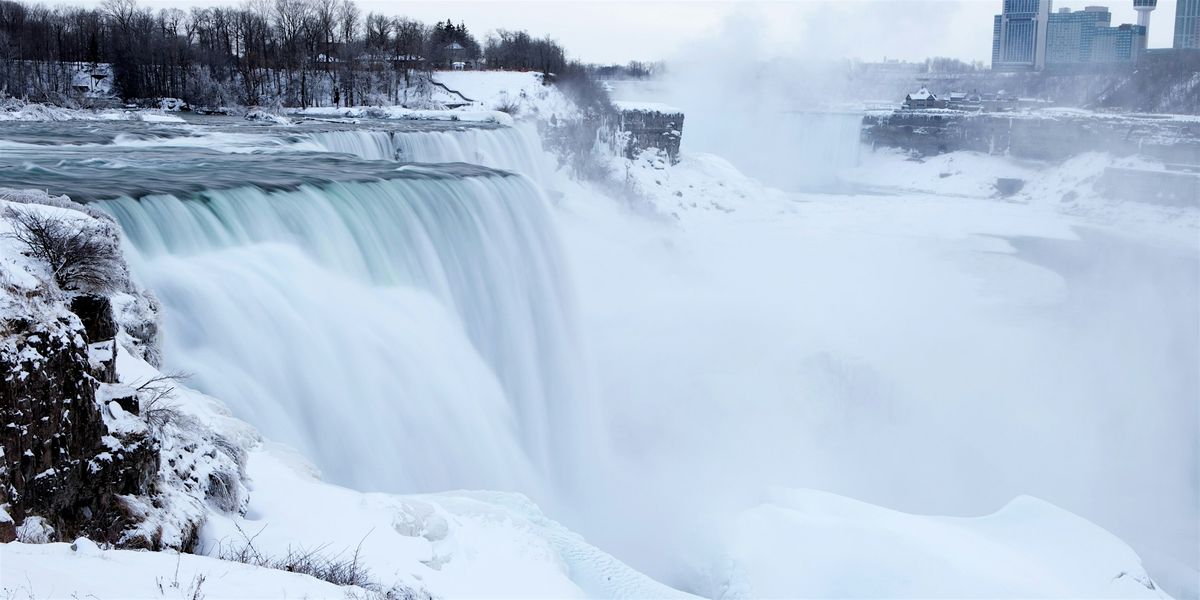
(523, 94)
(818, 545)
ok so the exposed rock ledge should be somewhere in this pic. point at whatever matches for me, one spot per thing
(83, 453)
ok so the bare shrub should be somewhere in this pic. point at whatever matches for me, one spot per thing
(508, 105)
(336, 568)
(82, 255)
(154, 397)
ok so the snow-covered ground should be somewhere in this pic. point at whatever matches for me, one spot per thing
(82, 570)
(809, 544)
(1069, 188)
(523, 94)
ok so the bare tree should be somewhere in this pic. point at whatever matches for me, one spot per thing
(82, 256)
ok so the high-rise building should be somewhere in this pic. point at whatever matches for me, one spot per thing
(1187, 24)
(1070, 35)
(1123, 43)
(1019, 35)
(996, 40)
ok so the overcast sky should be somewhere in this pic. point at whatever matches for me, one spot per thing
(619, 31)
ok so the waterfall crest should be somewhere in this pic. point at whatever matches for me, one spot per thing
(515, 149)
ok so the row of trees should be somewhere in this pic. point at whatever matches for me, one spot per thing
(286, 52)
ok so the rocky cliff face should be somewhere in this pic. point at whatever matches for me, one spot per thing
(81, 452)
(62, 462)
(651, 128)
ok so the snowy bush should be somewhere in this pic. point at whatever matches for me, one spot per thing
(338, 569)
(35, 530)
(507, 105)
(83, 255)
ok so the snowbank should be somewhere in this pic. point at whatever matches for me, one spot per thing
(700, 184)
(454, 545)
(58, 571)
(803, 543)
(16, 110)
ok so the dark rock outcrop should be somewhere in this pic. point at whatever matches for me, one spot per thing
(649, 128)
(96, 313)
(61, 462)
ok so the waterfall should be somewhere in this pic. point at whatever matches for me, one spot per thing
(793, 150)
(515, 149)
(826, 143)
(409, 334)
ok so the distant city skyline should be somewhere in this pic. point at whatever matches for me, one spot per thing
(620, 30)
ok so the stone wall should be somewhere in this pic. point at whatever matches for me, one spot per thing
(1030, 136)
(651, 127)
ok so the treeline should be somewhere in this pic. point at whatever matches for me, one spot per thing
(263, 52)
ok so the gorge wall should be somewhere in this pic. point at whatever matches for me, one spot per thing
(649, 126)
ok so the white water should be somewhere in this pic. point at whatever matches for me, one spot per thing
(407, 335)
(515, 149)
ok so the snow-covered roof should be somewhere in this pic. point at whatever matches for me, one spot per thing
(922, 94)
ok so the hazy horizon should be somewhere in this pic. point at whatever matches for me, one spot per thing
(868, 29)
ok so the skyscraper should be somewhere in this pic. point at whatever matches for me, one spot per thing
(1019, 41)
(1120, 44)
(1187, 24)
(1070, 35)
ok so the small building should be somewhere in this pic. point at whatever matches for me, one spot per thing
(458, 65)
(922, 98)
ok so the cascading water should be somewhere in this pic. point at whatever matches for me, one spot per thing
(408, 334)
(513, 149)
(823, 142)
